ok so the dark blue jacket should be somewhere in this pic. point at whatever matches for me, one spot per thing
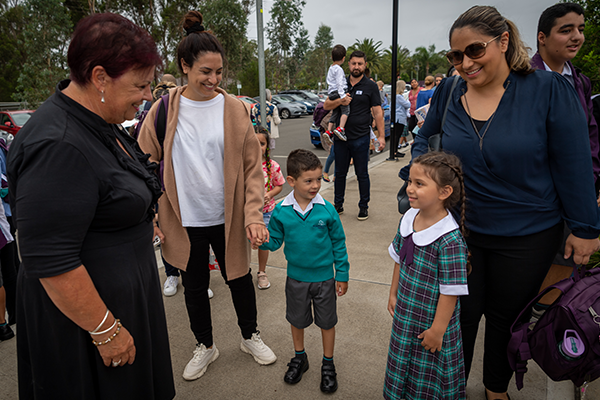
(583, 87)
(533, 168)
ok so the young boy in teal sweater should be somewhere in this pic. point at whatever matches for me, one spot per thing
(314, 243)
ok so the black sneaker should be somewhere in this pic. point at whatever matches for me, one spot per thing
(329, 382)
(297, 367)
(363, 213)
(339, 209)
(6, 333)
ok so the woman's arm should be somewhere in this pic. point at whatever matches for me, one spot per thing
(75, 295)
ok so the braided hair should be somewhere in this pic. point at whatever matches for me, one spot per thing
(259, 130)
(445, 169)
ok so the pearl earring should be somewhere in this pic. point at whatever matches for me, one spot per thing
(102, 99)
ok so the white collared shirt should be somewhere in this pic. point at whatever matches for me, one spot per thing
(425, 238)
(566, 72)
(290, 200)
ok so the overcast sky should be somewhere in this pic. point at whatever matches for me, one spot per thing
(421, 22)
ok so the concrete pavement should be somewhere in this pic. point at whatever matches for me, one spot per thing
(362, 332)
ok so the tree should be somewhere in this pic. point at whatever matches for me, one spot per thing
(430, 60)
(402, 63)
(13, 55)
(372, 53)
(588, 57)
(281, 31)
(322, 48)
(45, 41)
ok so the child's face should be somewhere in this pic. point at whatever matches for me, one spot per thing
(263, 143)
(423, 192)
(307, 185)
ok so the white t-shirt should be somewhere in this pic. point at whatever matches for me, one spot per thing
(198, 149)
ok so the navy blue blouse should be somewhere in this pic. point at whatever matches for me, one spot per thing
(533, 168)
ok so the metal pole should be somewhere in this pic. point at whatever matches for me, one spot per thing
(261, 64)
(393, 144)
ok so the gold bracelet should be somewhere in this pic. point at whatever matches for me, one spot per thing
(114, 335)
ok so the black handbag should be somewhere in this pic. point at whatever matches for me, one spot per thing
(435, 144)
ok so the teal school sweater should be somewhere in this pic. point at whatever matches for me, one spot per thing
(314, 242)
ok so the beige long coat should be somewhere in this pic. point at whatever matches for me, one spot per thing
(244, 184)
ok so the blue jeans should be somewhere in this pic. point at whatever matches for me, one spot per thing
(329, 160)
(357, 149)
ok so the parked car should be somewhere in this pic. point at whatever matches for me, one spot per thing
(315, 134)
(288, 108)
(248, 100)
(310, 107)
(305, 94)
(11, 122)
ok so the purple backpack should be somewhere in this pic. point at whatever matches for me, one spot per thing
(565, 341)
(160, 127)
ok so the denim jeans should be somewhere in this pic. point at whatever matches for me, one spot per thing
(358, 150)
(196, 279)
(329, 160)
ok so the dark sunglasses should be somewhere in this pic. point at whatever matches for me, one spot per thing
(473, 51)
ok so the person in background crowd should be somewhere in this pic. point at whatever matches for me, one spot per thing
(273, 119)
(516, 211)
(9, 254)
(426, 93)
(382, 94)
(438, 79)
(91, 318)
(6, 238)
(560, 36)
(402, 111)
(412, 97)
(214, 188)
(365, 99)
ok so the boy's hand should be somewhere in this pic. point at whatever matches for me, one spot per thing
(267, 197)
(341, 288)
(432, 340)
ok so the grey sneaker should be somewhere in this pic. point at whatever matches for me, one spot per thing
(258, 349)
(200, 361)
(340, 133)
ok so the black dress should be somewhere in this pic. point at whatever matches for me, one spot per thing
(79, 199)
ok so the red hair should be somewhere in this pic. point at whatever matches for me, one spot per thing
(113, 42)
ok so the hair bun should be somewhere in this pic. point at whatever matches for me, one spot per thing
(197, 27)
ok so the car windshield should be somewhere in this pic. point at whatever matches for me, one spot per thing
(249, 100)
(312, 96)
(296, 97)
(21, 118)
(282, 99)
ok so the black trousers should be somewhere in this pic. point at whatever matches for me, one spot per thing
(507, 273)
(196, 280)
(9, 264)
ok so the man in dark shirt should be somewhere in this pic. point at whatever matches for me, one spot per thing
(365, 103)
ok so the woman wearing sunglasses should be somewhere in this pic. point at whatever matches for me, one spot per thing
(522, 178)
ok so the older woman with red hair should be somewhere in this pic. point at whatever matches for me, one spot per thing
(91, 316)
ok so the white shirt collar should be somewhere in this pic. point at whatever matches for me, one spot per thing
(290, 200)
(566, 69)
(429, 235)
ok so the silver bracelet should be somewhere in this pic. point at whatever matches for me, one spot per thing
(106, 331)
(101, 323)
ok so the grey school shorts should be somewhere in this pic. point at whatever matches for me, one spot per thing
(300, 295)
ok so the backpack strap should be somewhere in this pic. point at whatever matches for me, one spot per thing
(160, 127)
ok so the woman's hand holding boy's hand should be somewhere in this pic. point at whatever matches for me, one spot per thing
(432, 340)
(341, 288)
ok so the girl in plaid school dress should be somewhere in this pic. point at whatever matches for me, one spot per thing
(425, 359)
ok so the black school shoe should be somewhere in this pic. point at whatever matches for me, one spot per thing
(297, 367)
(339, 209)
(6, 333)
(328, 378)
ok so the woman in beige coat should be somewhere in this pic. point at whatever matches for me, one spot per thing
(213, 193)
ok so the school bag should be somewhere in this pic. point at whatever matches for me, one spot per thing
(565, 341)
(160, 127)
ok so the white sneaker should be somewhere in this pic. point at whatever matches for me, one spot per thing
(199, 362)
(258, 349)
(170, 288)
(210, 294)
